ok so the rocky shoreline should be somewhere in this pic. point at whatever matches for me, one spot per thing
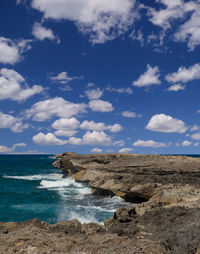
(166, 218)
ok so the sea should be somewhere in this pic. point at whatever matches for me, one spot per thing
(31, 187)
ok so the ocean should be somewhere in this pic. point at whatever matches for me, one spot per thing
(31, 187)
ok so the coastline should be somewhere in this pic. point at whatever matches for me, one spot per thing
(166, 218)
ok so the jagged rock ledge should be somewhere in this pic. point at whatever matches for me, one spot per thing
(167, 222)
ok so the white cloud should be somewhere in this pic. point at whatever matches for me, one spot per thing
(66, 124)
(94, 94)
(11, 86)
(176, 88)
(150, 77)
(91, 138)
(96, 138)
(64, 133)
(91, 125)
(127, 90)
(190, 31)
(149, 143)
(173, 10)
(66, 127)
(186, 143)
(13, 123)
(11, 51)
(195, 128)
(44, 110)
(126, 150)
(100, 106)
(184, 75)
(63, 78)
(196, 136)
(75, 141)
(166, 124)
(130, 114)
(48, 140)
(119, 143)
(115, 128)
(5, 149)
(41, 33)
(96, 150)
(103, 20)
(196, 144)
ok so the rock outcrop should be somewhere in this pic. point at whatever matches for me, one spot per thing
(165, 220)
(136, 178)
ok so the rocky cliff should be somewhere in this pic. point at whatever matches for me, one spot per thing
(165, 220)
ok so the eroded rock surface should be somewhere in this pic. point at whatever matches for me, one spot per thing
(167, 222)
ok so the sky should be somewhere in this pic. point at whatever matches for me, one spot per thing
(92, 76)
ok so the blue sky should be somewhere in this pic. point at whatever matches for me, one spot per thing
(99, 76)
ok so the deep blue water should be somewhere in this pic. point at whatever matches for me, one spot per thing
(31, 187)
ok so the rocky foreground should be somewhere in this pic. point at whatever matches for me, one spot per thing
(166, 218)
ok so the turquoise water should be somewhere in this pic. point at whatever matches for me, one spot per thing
(31, 187)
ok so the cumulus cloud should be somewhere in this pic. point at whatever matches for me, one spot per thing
(5, 149)
(166, 124)
(63, 78)
(45, 110)
(120, 90)
(102, 20)
(11, 51)
(94, 94)
(66, 124)
(100, 106)
(96, 138)
(149, 143)
(125, 150)
(186, 143)
(66, 127)
(13, 123)
(176, 88)
(150, 77)
(13, 86)
(130, 114)
(41, 33)
(65, 133)
(92, 138)
(196, 136)
(48, 140)
(75, 141)
(190, 31)
(96, 150)
(184, 75)
(91, 125)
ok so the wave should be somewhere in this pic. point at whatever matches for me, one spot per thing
(35, 177)
(53, 157)
(97, 208)
(84, 218)
(67, 188)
